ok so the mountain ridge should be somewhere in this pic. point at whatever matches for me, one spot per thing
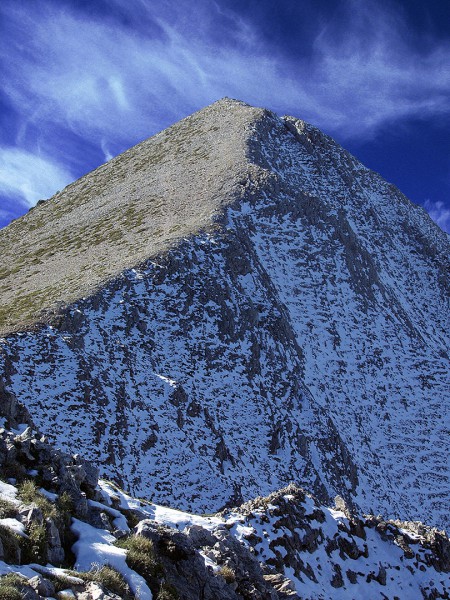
(124, 212)
(302, 339)
(41, 248)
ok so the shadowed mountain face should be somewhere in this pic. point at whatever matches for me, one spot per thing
(288, 322)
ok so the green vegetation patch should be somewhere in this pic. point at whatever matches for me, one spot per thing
(35, 548)
(11, 587)
(12, 545)
(109, 578)
(227, 573)
(7, 509)
(141, 557)
(167, 591)
(29, 494)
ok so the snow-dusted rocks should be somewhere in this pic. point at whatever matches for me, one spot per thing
(302, 337)
(288, 545)
(328, 553)
(285, 546)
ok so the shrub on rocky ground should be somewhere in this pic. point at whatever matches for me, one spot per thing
(109, 578)
(141, 557)
(29, 494)
(167, 592)
(227, 573)
(61, 583)
(35, 548)
(11, 587)
(11, 543)
(7, 509)
(65, 508)
(60, 512)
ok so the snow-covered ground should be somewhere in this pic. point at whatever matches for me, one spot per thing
(276, 529)
(95, 547)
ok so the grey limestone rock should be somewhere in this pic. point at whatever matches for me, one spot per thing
(55, 552)
(185, 568)
(94, 591)
(14, 412)
(301, 289)
(233, 304)
(42, 586)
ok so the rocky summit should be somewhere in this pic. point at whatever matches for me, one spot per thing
(232, 305)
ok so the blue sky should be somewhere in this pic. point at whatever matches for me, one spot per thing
(84, 80)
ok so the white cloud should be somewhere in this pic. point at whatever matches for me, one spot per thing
(105, 80)
(375, 75)
(113, 85)
(107, 153)
(30, 177)
(439, 212)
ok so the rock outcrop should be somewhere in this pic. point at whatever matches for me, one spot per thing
(331, 553)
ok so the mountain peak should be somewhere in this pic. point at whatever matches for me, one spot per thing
(286, 320)
(135, 206)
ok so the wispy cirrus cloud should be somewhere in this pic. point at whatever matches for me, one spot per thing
(439, 212)
(98, 76)
(113, 81)
(374, 73)
(28, 177)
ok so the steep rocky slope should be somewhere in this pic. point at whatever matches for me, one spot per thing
(301, 336)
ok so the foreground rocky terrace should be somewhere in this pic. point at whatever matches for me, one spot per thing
(65, 534)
